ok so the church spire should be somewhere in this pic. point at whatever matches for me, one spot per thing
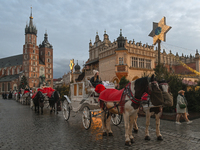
(46, 43)
(31, 29)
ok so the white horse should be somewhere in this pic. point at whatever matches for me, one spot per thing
(128, 105)
(150, 109)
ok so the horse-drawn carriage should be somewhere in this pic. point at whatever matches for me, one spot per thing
(84, 98)
(127, 102)
(46, 95)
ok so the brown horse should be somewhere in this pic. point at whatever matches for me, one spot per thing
(158, 99)
(54, 100)
(38, 101)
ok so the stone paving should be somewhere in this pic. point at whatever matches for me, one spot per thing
(22, 129)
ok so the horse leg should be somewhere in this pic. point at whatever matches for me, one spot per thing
(41, 110)
(35, 108)
(135, 127)
(148, 115)
(38, 111)
(103, 117)
(108, 126)
(51, 108)
(159, 136)
(55, 107)
(132, 120)
(126, 124)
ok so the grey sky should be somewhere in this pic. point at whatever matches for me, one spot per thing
(71, 24)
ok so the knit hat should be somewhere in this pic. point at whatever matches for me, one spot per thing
(181, 91)
(95, 71)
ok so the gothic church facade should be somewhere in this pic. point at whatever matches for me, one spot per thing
(35, 62)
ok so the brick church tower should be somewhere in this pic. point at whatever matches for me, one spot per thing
(37, 62)
(46, 56)
(31, 54)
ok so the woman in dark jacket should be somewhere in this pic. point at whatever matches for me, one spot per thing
(96, 79)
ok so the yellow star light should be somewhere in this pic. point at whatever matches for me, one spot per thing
(160, 31)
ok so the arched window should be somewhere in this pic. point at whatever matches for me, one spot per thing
(8, 72)
(8, 86)
(2, 86)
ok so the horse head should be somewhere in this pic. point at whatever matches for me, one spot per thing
(40, 96)
(153, 84)
(145, 84)
(163, 85)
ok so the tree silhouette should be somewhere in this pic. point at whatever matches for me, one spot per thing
(23, 82)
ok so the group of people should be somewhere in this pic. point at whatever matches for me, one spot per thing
(4, 95)
(7, 96)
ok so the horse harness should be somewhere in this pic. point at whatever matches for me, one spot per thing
(136, 103)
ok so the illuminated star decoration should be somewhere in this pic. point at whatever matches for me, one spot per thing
(71, 65)
(159, 31)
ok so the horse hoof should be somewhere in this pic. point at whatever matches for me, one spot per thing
(110, 134)
(128, 143)
(104, 133)
(132, 141)
(147, 138)
(135, 130)
(159, 138)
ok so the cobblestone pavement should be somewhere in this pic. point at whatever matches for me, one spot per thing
(22, 129)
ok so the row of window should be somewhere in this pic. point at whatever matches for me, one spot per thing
(49, 53)
(140, 63)
(10, 71)
(3, 87)
(41, 53)
(137, 62)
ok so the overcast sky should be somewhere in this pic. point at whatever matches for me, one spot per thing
(71, 24)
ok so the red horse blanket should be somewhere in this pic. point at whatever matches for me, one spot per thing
(26, 91)
(47, 90)
(111, 95)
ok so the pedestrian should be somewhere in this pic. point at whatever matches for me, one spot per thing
(181, 108)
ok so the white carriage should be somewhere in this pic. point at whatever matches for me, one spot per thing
(84, 98)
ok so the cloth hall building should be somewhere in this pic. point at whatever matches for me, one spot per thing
(35, 61)
(126, 58)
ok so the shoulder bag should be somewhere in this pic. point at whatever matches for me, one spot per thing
(182, 106)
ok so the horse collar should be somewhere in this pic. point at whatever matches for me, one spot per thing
(130, 94)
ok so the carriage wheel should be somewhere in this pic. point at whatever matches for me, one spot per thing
(116, 119)
(66, 110)
(86, 117)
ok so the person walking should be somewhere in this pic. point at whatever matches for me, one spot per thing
(181, 107)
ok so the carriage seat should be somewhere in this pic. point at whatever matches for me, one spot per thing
(90, 89)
